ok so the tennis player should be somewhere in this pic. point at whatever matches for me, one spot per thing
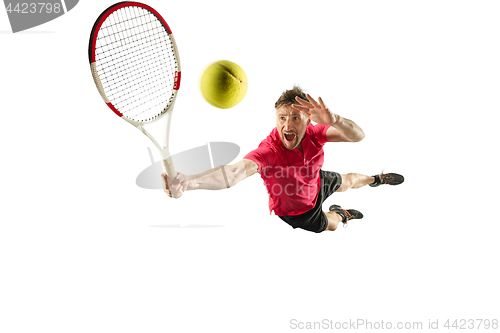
(289, 161)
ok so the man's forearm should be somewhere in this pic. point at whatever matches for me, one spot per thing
(216, 179)
(349, 128)
(222, 177)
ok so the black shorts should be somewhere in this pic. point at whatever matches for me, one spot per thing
(314, 219)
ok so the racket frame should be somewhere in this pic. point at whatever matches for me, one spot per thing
(167, 162)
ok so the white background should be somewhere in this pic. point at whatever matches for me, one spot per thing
(83, 249)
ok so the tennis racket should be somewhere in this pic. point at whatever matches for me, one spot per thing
(135, 66)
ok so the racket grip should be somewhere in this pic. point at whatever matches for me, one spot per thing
(168, 167)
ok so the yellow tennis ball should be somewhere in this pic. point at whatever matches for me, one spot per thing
(224, 84)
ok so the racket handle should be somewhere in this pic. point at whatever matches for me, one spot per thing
(168, 167)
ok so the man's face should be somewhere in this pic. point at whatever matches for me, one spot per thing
(291, 126)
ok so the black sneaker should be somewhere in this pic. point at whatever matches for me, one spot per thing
(387, 178)
(346, 215)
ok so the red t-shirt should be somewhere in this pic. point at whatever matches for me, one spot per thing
(291, 177)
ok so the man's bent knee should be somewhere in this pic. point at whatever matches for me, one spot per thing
(347, 181)
(331, 226)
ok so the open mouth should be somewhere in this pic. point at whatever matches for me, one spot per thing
(289, 136)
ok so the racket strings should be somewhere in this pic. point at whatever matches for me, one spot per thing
(141, 82)
(135, 75)
(138, 46)
(136, 63)
(112, 63)
(117, 26)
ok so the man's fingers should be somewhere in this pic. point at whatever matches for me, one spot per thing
(302, 102)
(171, 183)
(312, 101)
(300, 107)
(166, 189)
(321, 103)
(312, 104)
(305, 113)
(174, 188)
(164, 180)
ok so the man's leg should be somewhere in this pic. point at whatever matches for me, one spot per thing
(354, 180)
(337, 214)
(333, 220)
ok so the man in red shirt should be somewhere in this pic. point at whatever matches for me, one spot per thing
(289, 161)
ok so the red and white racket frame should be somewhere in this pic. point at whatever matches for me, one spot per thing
(167, 163)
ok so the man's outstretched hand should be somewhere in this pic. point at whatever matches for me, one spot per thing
(315, 111)
(175, 188)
